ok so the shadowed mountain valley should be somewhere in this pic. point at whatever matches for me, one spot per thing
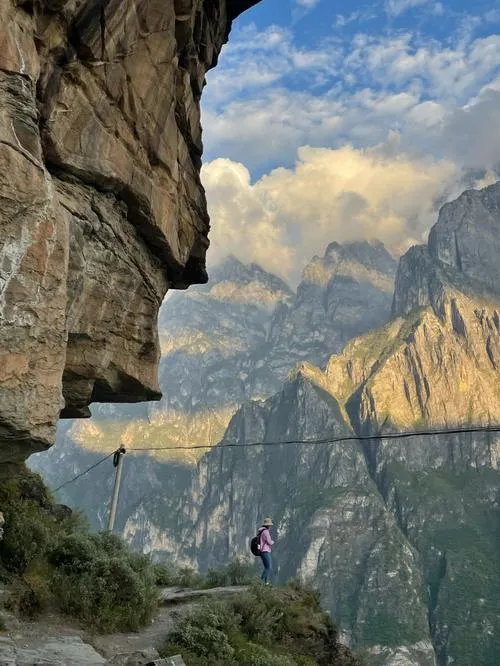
(400, 535)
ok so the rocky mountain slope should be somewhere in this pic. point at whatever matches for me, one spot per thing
(400, 535)
(342, 294)
(102, 205)
(220, 346)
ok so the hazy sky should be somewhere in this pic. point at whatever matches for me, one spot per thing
(342, 120)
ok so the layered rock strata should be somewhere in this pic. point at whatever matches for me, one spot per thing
(102, 209)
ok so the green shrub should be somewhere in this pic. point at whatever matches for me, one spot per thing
(206, 641)
(187, 577)
(165, 575)
(109, 595)
(98, 580)
(169, 575)
(53, 562)
(263, 626)
(24, 600)
(73, 553)
(191, 658)
(110, 544)
(261, 613)
(256, 655)
(236, 572)
(205, 633)
(26, 536)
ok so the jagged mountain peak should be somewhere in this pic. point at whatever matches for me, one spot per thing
(231, 269)
(466, 236)
(462, 254)
(371, 252)
(358, 260)
(232, 283)
(366, 262)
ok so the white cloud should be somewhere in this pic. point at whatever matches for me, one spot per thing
(289, 215)
(307, 4)
(341, 20)
(376, 133)
(255, 61)
(398, 7)
(450, 74)
(336, 93)
(469, 135)
(303, 7)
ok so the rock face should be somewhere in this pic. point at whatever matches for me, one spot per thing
(342, 294)
(466, 237)
(102, 206)
(400, 535)
(463, 250)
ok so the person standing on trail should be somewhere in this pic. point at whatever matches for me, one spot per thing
(266, 544)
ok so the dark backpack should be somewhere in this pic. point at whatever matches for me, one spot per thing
(255, 545)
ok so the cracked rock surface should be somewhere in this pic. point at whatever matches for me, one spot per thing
(102, 209)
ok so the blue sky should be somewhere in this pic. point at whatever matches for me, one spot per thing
(337, 119)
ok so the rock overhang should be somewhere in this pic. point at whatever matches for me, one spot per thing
(103, 208)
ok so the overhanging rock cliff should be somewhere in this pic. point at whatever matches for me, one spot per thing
(101, 205)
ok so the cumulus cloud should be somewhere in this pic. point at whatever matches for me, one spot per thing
(342, 93)
(311, 124)
(343, 194)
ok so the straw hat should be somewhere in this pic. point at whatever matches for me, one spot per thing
(267, 522)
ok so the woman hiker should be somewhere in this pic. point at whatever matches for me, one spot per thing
(266, 544)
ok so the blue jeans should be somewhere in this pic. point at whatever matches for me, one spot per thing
(268, 567)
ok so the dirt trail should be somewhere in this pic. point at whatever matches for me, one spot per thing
(51, 633)
(176, 603)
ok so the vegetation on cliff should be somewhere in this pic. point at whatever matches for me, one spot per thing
(53, 562)
(265, 626)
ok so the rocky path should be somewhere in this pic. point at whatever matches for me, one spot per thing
(55, 641)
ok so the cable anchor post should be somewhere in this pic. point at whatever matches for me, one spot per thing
(117, 464)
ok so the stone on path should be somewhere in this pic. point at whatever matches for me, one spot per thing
(60, 651)
(144, 658)
(175, 661)
(174, 595)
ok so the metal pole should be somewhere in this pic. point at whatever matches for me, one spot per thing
(117, 462)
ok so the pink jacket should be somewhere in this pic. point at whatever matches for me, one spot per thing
(265, 540)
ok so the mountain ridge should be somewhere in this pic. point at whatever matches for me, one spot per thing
(376, 530)
(392, 532)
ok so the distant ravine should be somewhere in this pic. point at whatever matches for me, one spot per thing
(235, 339)
(400, 536)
